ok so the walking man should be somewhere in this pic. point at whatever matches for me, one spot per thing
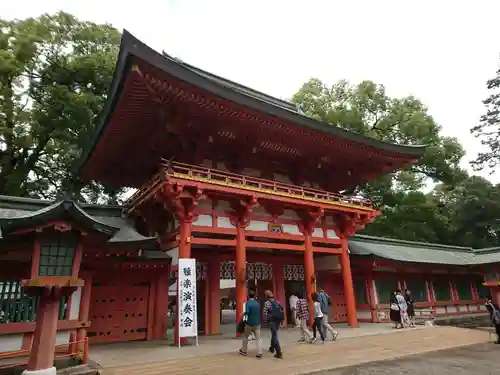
(251, 317)
(326, 303)
(293, 307)
(274, 316)
(303, 317)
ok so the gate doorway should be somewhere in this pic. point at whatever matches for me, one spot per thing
(119, 308)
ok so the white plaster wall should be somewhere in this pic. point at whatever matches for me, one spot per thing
(463, 308)
(203, 221)
(62, 338)
(74, 310)
(291, 229)
(9, 343)
(364, 314)
(258, 225)
(330, 233)
(440, 310)
(224, 222)
(318, 232)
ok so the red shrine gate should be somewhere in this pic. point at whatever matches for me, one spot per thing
(232, 161)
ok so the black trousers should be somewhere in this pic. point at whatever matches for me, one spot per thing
(275, 342)
(497, 329)
(318, 325)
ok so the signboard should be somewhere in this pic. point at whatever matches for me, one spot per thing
(186, 298)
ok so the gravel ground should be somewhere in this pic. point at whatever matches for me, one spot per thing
(480, 359)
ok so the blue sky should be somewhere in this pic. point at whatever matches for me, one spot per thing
(441, 51)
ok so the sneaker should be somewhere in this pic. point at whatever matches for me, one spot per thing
(278, 356)
(271, 350)
(258, 356)
(313, 340)
(302, 340)
(241, 352)
(335, 335)
(324, 341)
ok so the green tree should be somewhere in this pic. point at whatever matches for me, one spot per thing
(55, 72)
(367, 109)
(488, 129)
(473, 211)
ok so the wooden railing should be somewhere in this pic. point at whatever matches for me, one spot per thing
(224, 178)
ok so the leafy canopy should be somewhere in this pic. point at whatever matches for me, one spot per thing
(408, 213)
(55, 71)
(488, 129)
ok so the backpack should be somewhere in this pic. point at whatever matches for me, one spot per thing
(277, 313)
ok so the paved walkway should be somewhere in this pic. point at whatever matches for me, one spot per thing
(474, 359)
(306, 358)
(128, 353)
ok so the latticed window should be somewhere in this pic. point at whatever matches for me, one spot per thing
(418, 290)
(464, 290)
(360, 291)
(18, 307)
(442, 290)
(56, 255)
(385, 289)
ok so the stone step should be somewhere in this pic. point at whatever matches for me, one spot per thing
(305, 358)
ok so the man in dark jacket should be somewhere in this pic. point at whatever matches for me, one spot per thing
(326, 303)
(494, 315)
(273, 322)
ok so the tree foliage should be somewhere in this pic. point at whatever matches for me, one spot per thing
(460, 210)
(55, 71)
(488, 129)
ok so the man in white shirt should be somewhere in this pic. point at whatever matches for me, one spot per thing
(293, 307)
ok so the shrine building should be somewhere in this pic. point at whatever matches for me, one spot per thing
(244, 183)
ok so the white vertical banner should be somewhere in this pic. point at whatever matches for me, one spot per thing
(186, 298)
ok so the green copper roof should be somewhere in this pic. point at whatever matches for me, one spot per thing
(18, 213)
(420, 252)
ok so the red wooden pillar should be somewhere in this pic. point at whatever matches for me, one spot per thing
(240, 269)
(83, 314)
(41, 357)
(309, 276)
(213, 297)
(350, 300)
(371, 298)
(279, 284)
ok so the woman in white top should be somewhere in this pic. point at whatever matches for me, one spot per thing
(318, 319)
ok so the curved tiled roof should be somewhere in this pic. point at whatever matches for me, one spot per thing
(17, 213)
(420, 252)
(132, 48)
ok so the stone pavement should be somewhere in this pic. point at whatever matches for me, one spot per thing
(128, 353)
(306, 358)
(474, 359)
